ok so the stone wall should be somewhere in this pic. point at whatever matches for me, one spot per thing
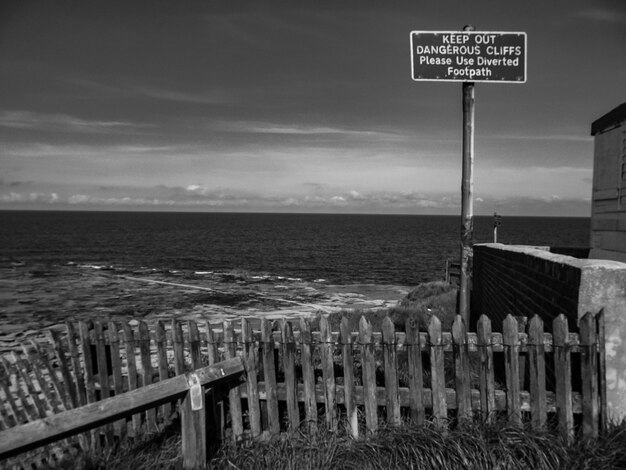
(524, 280)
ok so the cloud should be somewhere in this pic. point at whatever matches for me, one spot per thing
(601, 15)
(62, 122)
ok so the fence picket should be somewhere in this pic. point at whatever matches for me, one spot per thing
(85, 347)
(250, 363)
(368, 365)
(79, 382)
(68, 382)
(589, 374)
(269, 372)
(510, 339)
(308, 375)
(390, 360)
(348, 378)
(437, 372)
(234, 395)
(416, 378)
(537, 369)
(160, 337)
(194, 345)
(289, 367)
(563, 367)
(146, 367)
(39, 365)
(486, 373)
(22, 369)
(131, 366)
(116, 366)
(5, 377)
(599, 323)
(328, 374)
(461, 369)
(216, 406)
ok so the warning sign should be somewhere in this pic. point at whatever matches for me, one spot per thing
(468, 56)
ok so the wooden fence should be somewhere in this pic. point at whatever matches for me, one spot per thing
(297, 376)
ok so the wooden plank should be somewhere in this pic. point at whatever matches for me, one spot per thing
(461, 369)
(116, 369)
(269, 376)
(101, 361)
(251, 365)
(194, 345)
(52, 399)
(22, 368)
(212, 344)
(19, 413)
(289, 367)
(308, 375)
(55, 427)
(146, 368)
(216, 406)
(102, 375)
(79, 382)
(349, 398)
(368, 364)
(178, 345)
(416, 377)
(600, 329)
(327, 346)
(71, 398)
(193, 426)
(486, 372)
(510, 338)
(131, 366)
(589, 375)
(537, 367)
(437, 373)
(85, 349)
(234, 396)
(390, 361)
(563, 367)
(160, 337)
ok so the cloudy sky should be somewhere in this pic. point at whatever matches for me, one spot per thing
(295, 106)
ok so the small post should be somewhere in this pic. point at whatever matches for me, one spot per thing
(467, 202)
(497, 221)
(193, 425)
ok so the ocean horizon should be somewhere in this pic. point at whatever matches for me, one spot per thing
(339, 248)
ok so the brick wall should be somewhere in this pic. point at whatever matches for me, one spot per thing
(524, 281)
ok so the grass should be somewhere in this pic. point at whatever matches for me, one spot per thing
(473, 445)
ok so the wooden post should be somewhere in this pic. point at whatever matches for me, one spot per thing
(390, 361)
(510, 339)
(487, 383)
(563, 368)
(461, 369)
(467, 202)
(328, 373)
(536, 355)
(193, 425)
(437, 373)
(349, 391)
(368, 367)
(416, 379)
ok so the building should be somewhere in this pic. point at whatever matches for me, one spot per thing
(608, 205)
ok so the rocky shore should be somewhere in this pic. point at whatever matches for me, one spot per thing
(36, 297)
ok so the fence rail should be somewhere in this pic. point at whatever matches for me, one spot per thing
(297, 376)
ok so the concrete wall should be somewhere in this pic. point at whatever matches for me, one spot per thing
(608, 208)
(524, 280)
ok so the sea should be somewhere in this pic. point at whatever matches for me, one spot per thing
(338, 248)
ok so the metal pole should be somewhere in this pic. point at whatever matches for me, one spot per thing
(467, 202)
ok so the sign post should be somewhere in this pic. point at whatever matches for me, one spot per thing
(468, 56)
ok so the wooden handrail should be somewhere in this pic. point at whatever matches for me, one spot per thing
(68, 423)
